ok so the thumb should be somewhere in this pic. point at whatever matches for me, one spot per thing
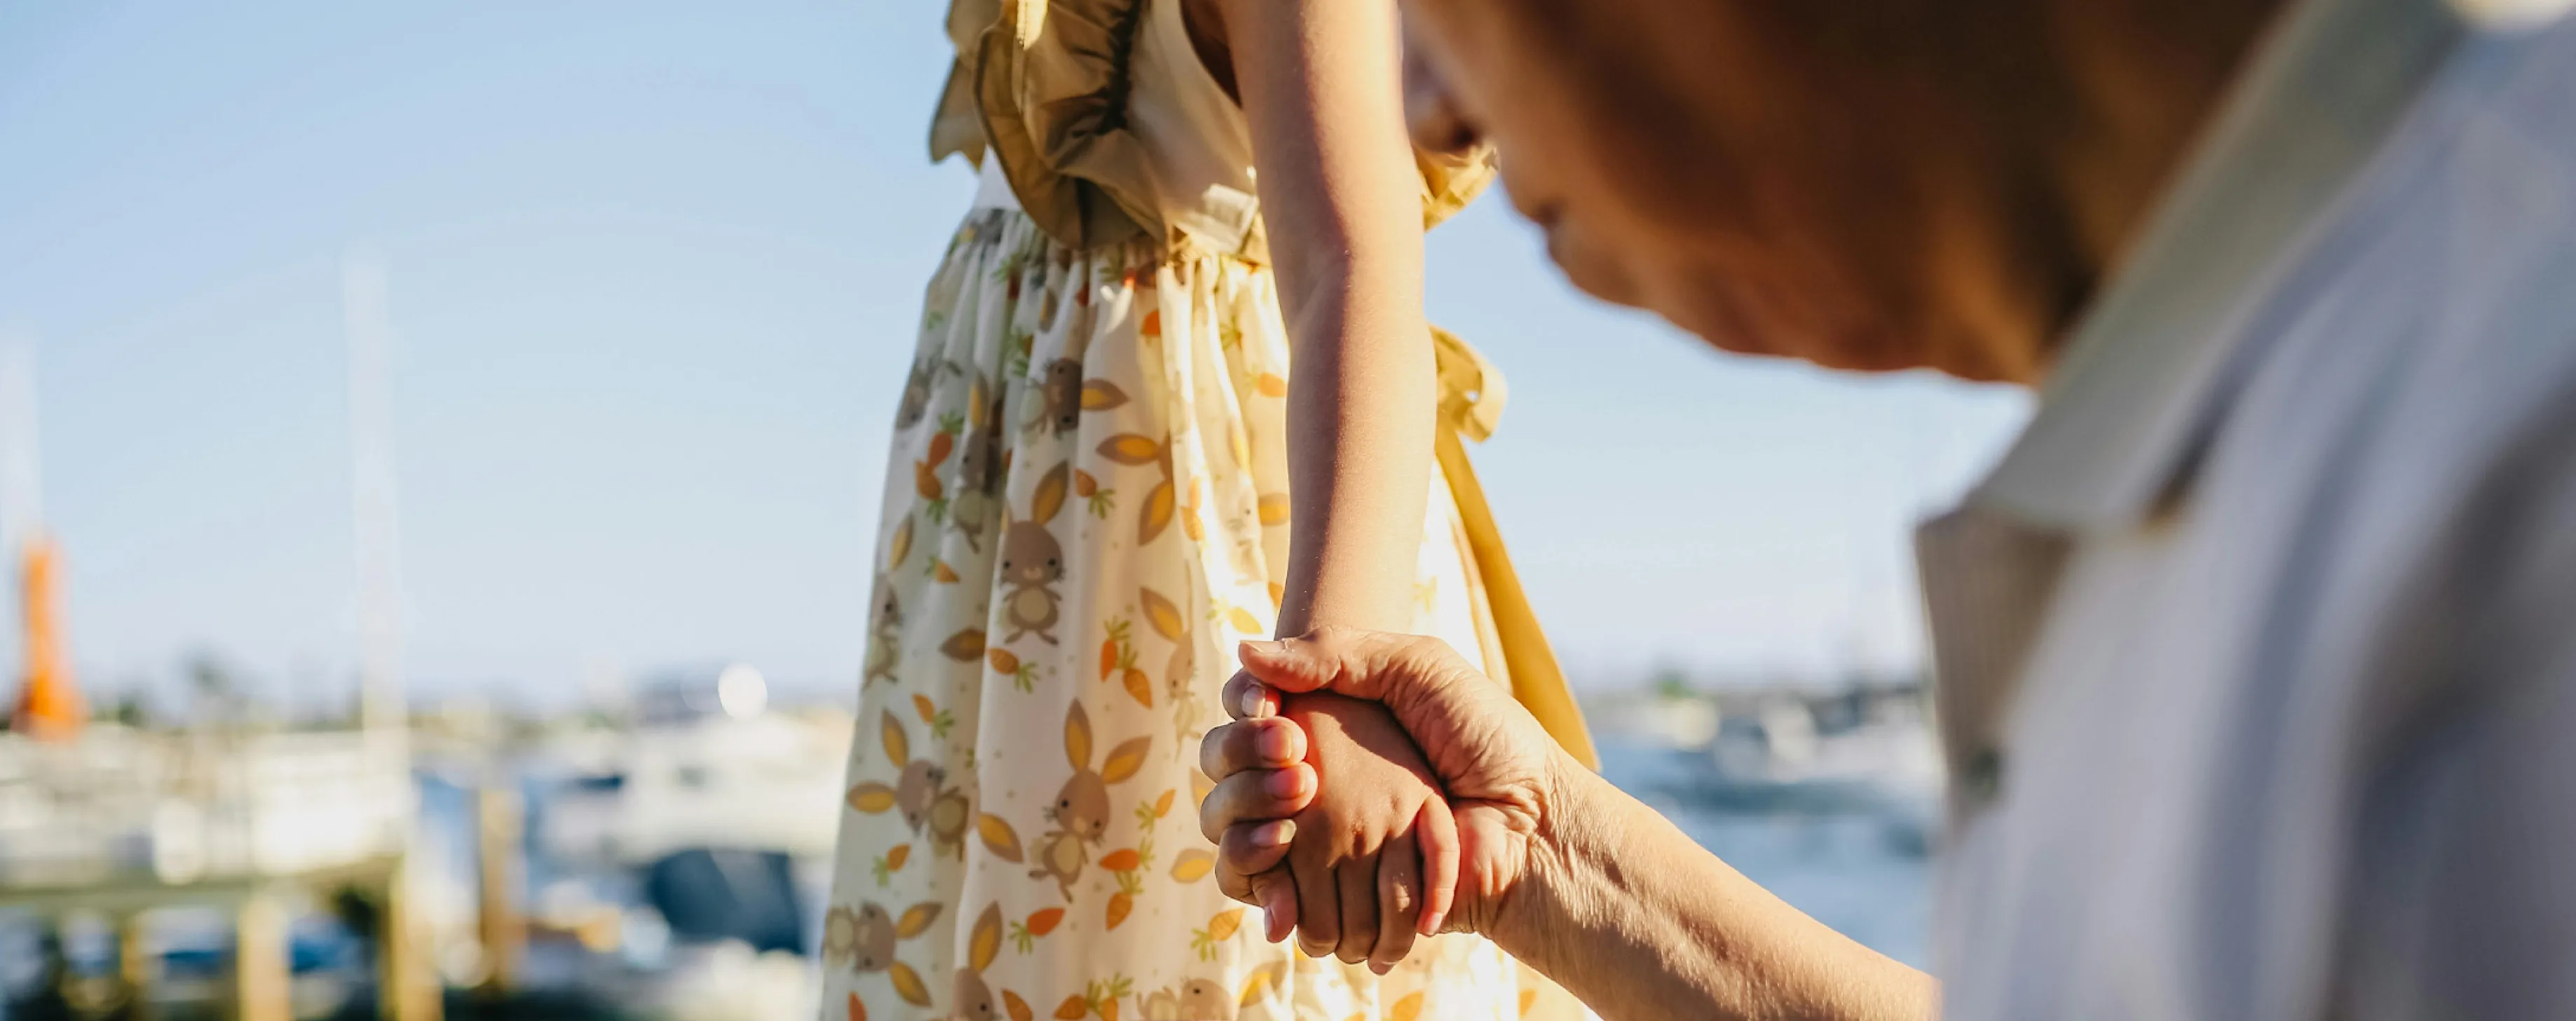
(1287, 665)
(1270, 669)
(1379, 666)
(1374, 665)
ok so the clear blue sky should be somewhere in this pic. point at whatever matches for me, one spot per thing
(653, 268)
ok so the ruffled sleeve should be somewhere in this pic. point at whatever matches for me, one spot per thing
(1450, 182)
(1045, 86)
(1056, 78)
(957, 128)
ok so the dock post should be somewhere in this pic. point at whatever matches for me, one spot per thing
(499, 822)
(134, 963)
(262, 973)
(407, 984)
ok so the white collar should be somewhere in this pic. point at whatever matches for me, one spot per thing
(2147, 372)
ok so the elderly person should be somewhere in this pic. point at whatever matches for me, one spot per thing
(2256, 655)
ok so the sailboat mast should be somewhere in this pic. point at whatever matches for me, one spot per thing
(369, 330)
(22, 499)
(49, 701)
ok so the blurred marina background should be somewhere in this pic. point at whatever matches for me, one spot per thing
(438, 450)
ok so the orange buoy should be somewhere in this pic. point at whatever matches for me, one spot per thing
(50, 706)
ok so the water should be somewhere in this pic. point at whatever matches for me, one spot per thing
(1860, 864)
(1856, 862)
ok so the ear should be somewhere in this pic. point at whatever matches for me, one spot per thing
(1157, 512)
(985, 942)
(999, 837)
(1164, 617)
(1048, 498)
(1077, 737)
(871, 798)
(898, 547)
(1125, 760)
(977, 415)
(908, 984)
(898, 748)
(1131, 449)
(916, 919)
(1268, 980)
(1101, 395)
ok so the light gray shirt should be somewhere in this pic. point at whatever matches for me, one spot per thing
(2257, 654)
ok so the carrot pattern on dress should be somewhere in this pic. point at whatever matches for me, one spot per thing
(1087, 510)
(1086, 507)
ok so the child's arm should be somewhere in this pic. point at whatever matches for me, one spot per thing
(1341, 198)
(1320, 84)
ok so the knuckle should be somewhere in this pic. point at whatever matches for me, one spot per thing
(1316, 852)
(1212, 751)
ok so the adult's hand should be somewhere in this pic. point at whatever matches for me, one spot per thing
(1560, 869)
(1500, 768)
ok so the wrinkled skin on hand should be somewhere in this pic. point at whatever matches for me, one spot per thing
(1496, 764)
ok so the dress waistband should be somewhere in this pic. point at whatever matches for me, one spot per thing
(992, 189)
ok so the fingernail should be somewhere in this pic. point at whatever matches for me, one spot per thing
(1275, 834)
(1431, 923)
(1284, 784)
(1380, 968)
(1269, 924)
(1255, 702)
(1274, 744)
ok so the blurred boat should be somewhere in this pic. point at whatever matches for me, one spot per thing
(699, 824)
(1782, 748)
(124, 807)
(690, 775)
(188, 851)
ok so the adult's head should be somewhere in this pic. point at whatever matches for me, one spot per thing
(1909, 183)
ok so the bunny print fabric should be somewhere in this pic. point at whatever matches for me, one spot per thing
(1087, 509)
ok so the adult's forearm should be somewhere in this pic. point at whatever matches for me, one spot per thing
(1631, 916)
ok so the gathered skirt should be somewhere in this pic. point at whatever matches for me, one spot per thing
(1087, 507)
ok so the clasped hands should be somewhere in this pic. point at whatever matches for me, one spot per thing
(1373, 788)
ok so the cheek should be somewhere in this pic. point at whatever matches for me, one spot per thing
(1780, 315)
(1709, 309)
(1601, 268)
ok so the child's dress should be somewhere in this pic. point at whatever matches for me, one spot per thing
(1087, 509)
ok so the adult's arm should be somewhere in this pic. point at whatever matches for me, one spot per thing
(1629, 915)
(1563, 870)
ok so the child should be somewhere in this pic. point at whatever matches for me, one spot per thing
(1091, 501)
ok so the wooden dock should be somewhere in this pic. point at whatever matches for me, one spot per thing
(122, 824)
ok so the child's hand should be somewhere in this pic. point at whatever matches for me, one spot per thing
(1372, 853)
(1376, 854)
